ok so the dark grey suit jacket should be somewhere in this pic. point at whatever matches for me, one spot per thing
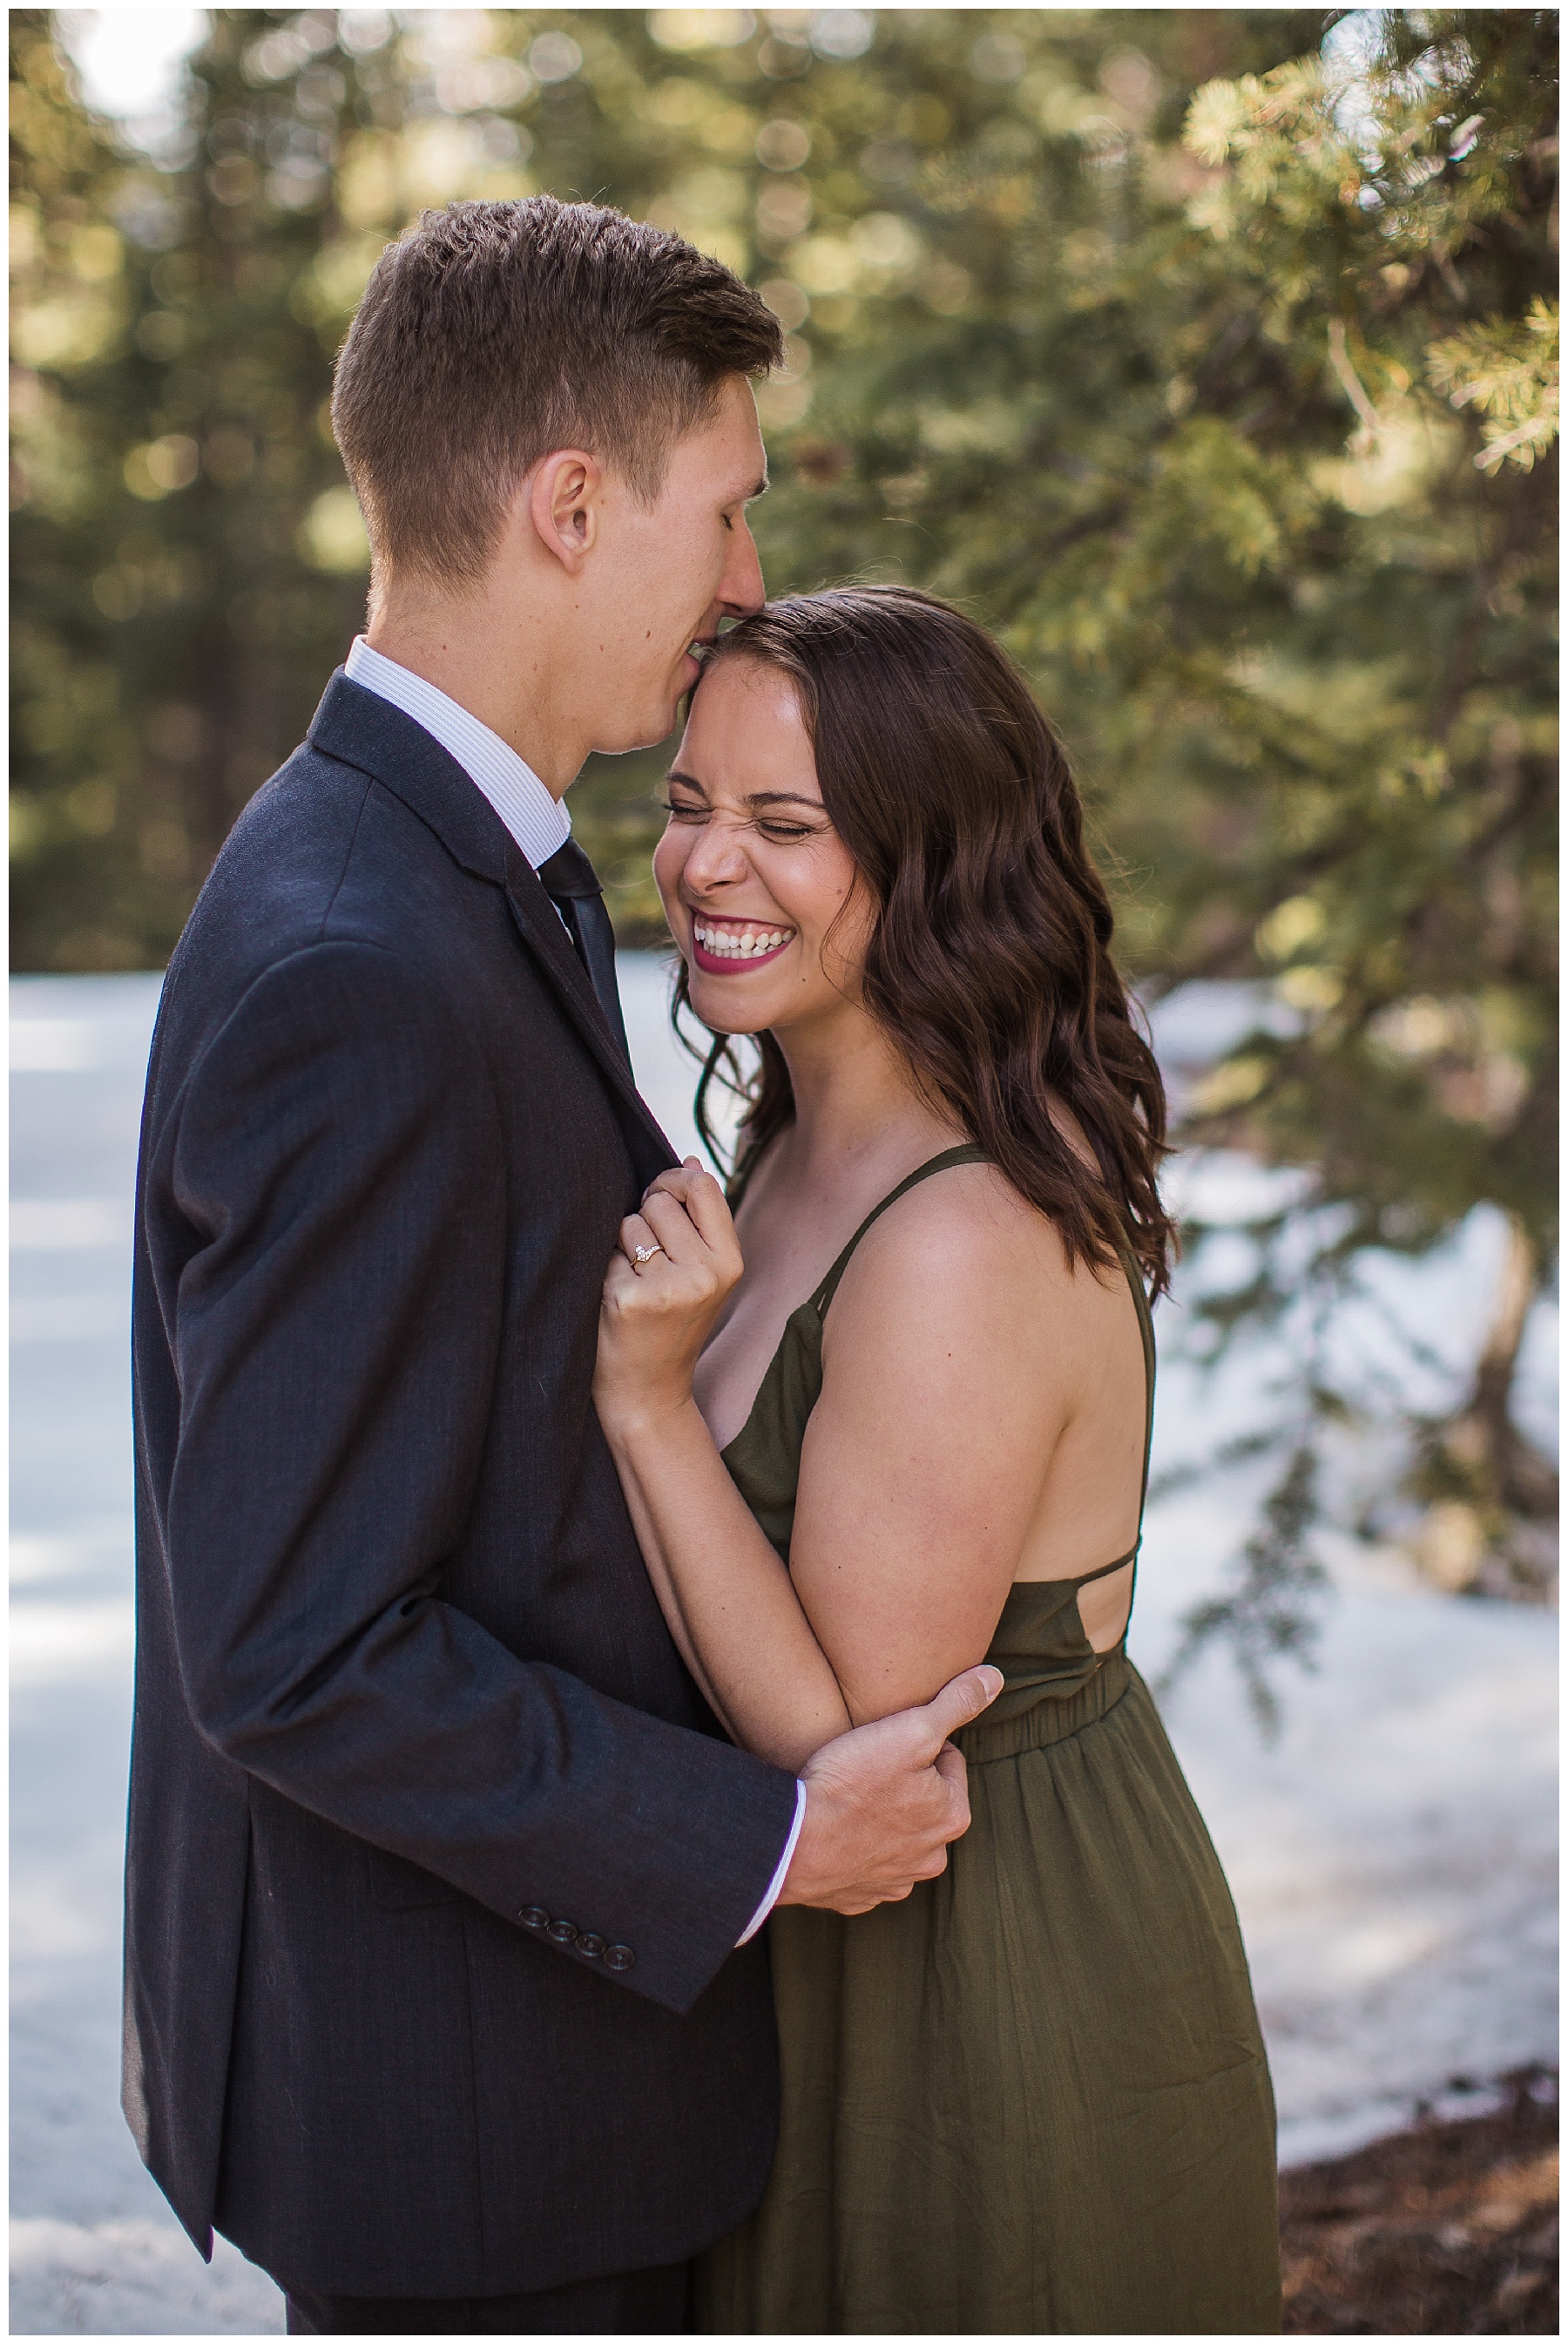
(406, 1713)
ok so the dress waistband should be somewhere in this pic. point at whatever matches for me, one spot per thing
(1054, 1717)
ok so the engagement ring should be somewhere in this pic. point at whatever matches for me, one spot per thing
(646, 1253)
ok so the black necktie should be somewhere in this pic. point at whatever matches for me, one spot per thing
(571, 883)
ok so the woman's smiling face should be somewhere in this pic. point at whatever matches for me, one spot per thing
(762, 895)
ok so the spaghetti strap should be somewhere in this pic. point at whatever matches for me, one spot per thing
(968, 1154)
(1086, 1578)
(1146, 1329)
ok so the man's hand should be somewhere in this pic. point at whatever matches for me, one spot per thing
(884, 1802)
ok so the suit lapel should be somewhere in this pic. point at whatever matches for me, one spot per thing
(539, 926)
(361, 728)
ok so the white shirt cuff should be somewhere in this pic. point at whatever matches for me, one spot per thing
(775, 1884)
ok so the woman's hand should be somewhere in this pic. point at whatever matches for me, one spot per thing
(656, 1313)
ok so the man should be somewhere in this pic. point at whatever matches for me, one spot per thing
(438, 1866)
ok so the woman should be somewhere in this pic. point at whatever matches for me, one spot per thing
(1032, 2097)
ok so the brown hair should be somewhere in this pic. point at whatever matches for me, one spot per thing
(494, 332)
(989, 961)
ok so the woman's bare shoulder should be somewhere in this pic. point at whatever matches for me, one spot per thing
(968, 1224)
(965, 1266)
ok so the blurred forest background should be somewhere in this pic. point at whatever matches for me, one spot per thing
(1210, 356)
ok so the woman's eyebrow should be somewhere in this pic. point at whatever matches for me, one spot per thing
(753, 797)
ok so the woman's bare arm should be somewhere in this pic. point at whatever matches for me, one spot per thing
(923, 1463)
(725, 1594)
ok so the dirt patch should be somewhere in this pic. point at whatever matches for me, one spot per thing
(1447, 2230)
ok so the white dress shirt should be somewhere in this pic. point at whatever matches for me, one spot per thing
(775, 1886)
(540, 824)
(538, 821)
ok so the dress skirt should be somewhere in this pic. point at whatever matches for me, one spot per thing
(1033, 2098)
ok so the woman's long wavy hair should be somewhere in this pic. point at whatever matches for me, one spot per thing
(989, 955)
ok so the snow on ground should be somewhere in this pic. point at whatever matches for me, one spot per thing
(1391, 1856)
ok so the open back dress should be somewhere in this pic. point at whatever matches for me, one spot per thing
(1032, 2098)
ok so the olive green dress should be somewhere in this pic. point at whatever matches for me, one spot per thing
(1033, 2098)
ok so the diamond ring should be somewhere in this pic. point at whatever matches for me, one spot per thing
(645, 1253)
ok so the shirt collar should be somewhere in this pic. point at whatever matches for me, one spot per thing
(538, 821)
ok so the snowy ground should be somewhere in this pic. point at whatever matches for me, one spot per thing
(1392, 1855)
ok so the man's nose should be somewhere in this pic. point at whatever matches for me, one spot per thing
(740, 588)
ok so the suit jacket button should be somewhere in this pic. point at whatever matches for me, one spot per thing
(619, 1957)
(590, 1944)
(564, 1933)
(533, 1916)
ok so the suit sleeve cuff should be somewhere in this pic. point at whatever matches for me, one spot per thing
(775, 1884)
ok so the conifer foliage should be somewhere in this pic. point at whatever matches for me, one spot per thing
(1210, 356)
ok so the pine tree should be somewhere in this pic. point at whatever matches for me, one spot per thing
(1209, 359)
(177, 610)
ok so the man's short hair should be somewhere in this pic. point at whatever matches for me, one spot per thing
(494, 332)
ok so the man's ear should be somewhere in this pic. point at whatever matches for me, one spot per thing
(562, 504)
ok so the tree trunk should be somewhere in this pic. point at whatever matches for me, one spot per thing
(1490, 1529)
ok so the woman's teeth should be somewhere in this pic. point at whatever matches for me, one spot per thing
(732, 944)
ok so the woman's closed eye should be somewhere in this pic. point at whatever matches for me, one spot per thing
(766, 827)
